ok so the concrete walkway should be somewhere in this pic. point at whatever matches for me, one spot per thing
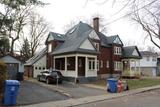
(90, 99)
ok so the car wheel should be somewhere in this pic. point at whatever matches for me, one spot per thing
(38, 78)
(47, 81)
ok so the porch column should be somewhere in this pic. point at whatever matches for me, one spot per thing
(54, 63)
(139, 69)
(86, 66)
(135, 65)
(95, 64)
(130, 61)
(76, 65)
(65, 64)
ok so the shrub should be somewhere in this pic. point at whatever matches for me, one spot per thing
(3, 74)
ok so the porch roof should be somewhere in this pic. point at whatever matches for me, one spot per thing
(36, 57)
(127, 52)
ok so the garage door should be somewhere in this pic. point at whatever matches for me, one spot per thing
(12, 70)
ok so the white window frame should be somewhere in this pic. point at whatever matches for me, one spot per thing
(117, 50)
(147, 58)
(50, 47)
(107, 64)
(117, 65)
(101, 64)
(92, 62)
(98, 65)
(97, 46)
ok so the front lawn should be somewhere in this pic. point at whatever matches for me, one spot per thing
(134, 83)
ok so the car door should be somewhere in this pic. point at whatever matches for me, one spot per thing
(43, 76)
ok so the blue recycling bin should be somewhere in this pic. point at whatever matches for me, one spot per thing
(11, 92)
(112, 84)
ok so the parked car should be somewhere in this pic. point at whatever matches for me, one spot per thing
(52, 76)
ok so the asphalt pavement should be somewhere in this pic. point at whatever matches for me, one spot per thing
(31, 93)
(145, 99)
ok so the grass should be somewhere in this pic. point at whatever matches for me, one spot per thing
(140, 83)
(134, 83)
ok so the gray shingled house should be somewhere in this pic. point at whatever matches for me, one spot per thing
(85, 53)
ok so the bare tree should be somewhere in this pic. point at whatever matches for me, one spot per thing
(38, 28)
(149, 19)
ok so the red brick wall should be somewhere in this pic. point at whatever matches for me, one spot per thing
(105, 54)
(50, 57)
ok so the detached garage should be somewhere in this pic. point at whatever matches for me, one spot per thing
(14, 66)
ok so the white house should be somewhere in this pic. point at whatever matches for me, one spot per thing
(36, 64)
(14, 65)
(148, 63)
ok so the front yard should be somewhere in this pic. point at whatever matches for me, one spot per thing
(134, 83)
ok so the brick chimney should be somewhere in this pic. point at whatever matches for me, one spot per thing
(96, 24)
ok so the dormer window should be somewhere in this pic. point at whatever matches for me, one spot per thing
(50, 47)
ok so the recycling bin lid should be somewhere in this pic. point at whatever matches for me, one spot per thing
(112, 79)
(12, 82)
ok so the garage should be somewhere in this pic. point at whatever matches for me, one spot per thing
(12, 69)
(14, 66)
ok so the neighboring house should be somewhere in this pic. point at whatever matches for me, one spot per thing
(148, 63)
(158, 66)
(36, 64)
(85, 53)
(14, 65)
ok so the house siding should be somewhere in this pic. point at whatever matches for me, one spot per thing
(105, 54)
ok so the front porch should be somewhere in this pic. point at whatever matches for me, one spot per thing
(76, 65)
(131, 67)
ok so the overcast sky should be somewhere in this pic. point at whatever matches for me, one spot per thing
(61, 12)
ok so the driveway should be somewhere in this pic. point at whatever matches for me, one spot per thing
(73, 90)
(31, 93)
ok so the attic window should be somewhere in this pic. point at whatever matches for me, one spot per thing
(72, 30)
(59, 35)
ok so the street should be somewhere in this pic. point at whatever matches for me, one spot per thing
(146, 99)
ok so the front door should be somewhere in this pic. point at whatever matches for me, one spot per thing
(81, 66)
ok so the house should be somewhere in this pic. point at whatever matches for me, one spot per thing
(148, 63)
(84, 53)
(158, 66)
(36, 64)
(14, 65)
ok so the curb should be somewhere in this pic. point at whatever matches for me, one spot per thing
(91, 99)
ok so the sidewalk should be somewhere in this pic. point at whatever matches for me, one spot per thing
(80, 101)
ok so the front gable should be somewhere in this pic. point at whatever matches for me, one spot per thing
(117, 41)
(87, 45)
(10, 59)
(93, 35)
(135, 53)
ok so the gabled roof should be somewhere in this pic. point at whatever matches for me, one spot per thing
(74, 38)
(148, 53)
(56, 36)
(36, 57)
(127, 52)
(14, 57)
(103, 38)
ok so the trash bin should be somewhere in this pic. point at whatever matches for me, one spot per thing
(11, 92)
(20, 76)
(112, 84)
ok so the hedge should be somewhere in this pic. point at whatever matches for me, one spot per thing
(3, 74)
